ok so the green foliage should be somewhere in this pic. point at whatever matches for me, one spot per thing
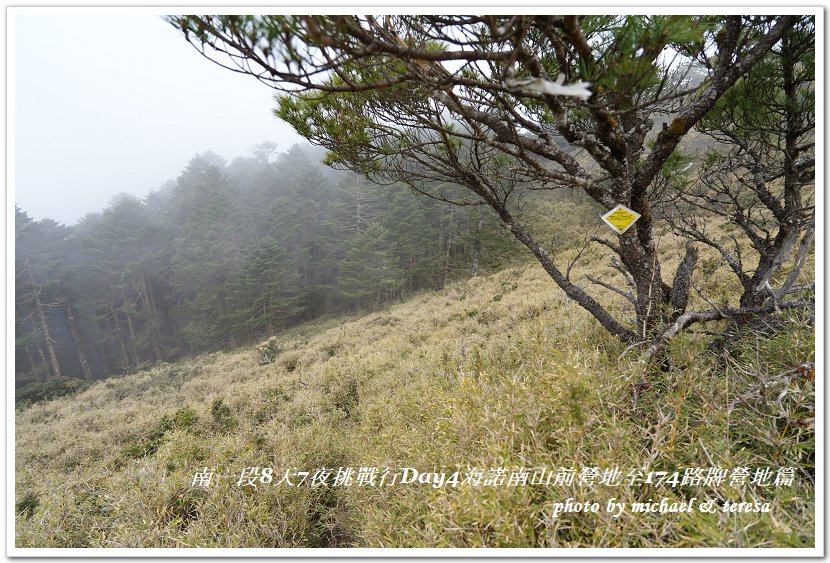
(51, 388)
(228, 254)
(222, 416)
(291, 362)
(206, 252)
(346, 396)
(269, 351)
(27, 505)
(632, 46)
(267, 292)
(182, 507)
(346, 122)
(753, 108)
(535, 385)
(184, 419)
(368, 272)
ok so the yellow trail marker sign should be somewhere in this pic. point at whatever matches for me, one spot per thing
(621, 218)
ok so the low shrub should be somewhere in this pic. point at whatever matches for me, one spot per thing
(184, 419)
(52, 388)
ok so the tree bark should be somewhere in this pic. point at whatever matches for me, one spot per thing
(27, 348)
(31, 358)
(149, 308)
(571, 290)
(477, 245)
(44, 326)
(679, 296)
(70, 318)
(132, 339)
(43, 361)
(126, 357)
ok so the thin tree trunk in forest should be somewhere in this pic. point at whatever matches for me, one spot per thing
(132, 340)
(31, 358)
(50, 346)
(70, 317)
(53, 357)
(477, 245)
(151, 317)
(41, 356)
(126, 363)
(149, 288)
(358, 214)
(446, 271)
(43, 361)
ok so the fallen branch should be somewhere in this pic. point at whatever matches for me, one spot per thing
(804, 370)
(629, 349)
(692, 317)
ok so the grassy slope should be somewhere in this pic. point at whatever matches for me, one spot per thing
(494, 372)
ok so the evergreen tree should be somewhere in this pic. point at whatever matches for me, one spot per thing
(268, 291)
(224, 255)
(207, 249)
(369, 273)
(39, 271)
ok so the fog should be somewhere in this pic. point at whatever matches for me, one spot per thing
(110, 104)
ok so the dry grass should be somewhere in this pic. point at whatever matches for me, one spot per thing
(497, 371)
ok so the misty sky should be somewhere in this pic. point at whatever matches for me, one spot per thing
(110, 104)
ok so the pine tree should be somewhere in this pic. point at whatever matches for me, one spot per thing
(39, 270)
(208, 244)
(368, 273)
(268, 292)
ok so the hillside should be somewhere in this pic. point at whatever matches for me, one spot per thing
(495, 372)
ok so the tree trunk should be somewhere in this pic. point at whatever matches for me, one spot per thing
(477, 245)
(445, 272)
(53, 357)
(43, 361)
(638, 253)
(18, 321)
(40, 358)
(571, 290)
(73, 330)
(132, 339)
(149, 308)
(31, 358)
(126, 363)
